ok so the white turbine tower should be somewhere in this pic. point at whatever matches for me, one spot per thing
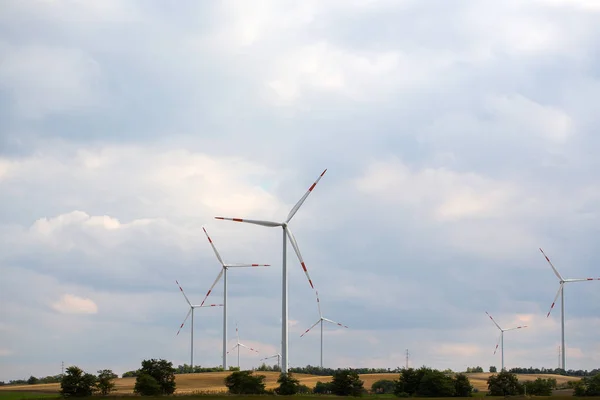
(223, 273)
(238, 345)
(561, 292)
(501, 338)
(191, 311)
(273, 356)
(287, 233)
(321, 320)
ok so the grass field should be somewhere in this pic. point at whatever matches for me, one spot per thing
(212, 382)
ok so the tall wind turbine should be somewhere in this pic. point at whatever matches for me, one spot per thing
(223, 273)
(321, 320)
(284, 291)
(501, 338)
(238, 345)
(561, 289)
(191, 311)
(273, 356)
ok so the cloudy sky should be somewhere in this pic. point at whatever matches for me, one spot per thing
(458, 136)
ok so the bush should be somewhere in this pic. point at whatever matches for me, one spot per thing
(322, 388)
(32, 380)
(462, 386)
(383, 386)
(346, 382)
(436, 384)
(243, 382)
(493, 369)
(303, 389)
(105, 383)
(146, 385)
(76, 383)
(161, 371)
(428, 382)
(504, 384)
(288, 385)
(588, 386)
(540, 387)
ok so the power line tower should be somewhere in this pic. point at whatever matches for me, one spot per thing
(407, 354)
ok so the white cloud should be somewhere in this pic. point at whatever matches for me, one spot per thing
(71, 304)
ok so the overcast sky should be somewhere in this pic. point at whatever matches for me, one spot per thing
(459, 137)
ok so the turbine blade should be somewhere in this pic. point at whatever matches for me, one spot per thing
(246, 265)
(499, 337)
(333, 322)
(183, 323)
(552, 265)
(493, 320)
(213, 246)
(517, 327)
(555, 297)
(266, 358)
(315, 324)
(295, 209)
(252, 221)
(249, 348)
(209, 305)
(582, 279)
(213, 285)
(318, 303)
(182, 292)
(233, 348)
(297, 250)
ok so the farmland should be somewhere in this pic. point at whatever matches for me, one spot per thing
(212, 382)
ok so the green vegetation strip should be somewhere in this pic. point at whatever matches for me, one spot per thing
(6, 395)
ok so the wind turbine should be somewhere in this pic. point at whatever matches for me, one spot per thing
(238, 345)
(501, 338)
(321, 319)
(273, 356)
(223, 273)
(284, 291)
(561, 289)
(191, 311)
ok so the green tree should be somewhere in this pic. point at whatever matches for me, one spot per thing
(346, 382)
(163, 373)
(244, 382)
(587, 386)
(76, 383)
(436, 384)
(32, 380)
(409, 380)
(383, 386)
(146, 385)
(322, 388)
(493, 369)
(504, 384)
(106, 382)
(462, 386)
(288, 385)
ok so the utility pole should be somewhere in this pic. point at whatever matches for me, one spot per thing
(62, 367)
(558, 357)
(407, 354)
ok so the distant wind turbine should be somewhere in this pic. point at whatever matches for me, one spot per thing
(287, 234)
(501, 338)
(191, 311)
(273, 356)
(238, 345)
(223, 273)
(320, 320)
(561, 292)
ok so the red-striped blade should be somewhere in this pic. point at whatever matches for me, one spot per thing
(552, 265)
(499, 337)
(318, 304)
(555, 297)
(182, 292)
(315, 324)
(297, 250)
(183, 323)
(516, 327)
(247, 265)
(333, 322)
(295, 209)
(493, 320)
(213, 285)
(210, 305)
(252, 221)
(249, 348)
(213, 246)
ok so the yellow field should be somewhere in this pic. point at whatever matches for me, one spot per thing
(213, 381)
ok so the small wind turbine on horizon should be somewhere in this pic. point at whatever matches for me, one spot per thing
(238, 345)
(320, 320)
(561, 292)
(191, 311)
(223, 273)
(287, 234)
(273, 356)
(501, 338)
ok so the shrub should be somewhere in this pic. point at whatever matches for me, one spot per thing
(346, 382)
(76, 383)
(243, 382)
(322, 388)
(504, 384)
(288, 385)
(383, 386)
(106, 382)
(588, 386)
(146, 385)
(163, 373)
(462, 386)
